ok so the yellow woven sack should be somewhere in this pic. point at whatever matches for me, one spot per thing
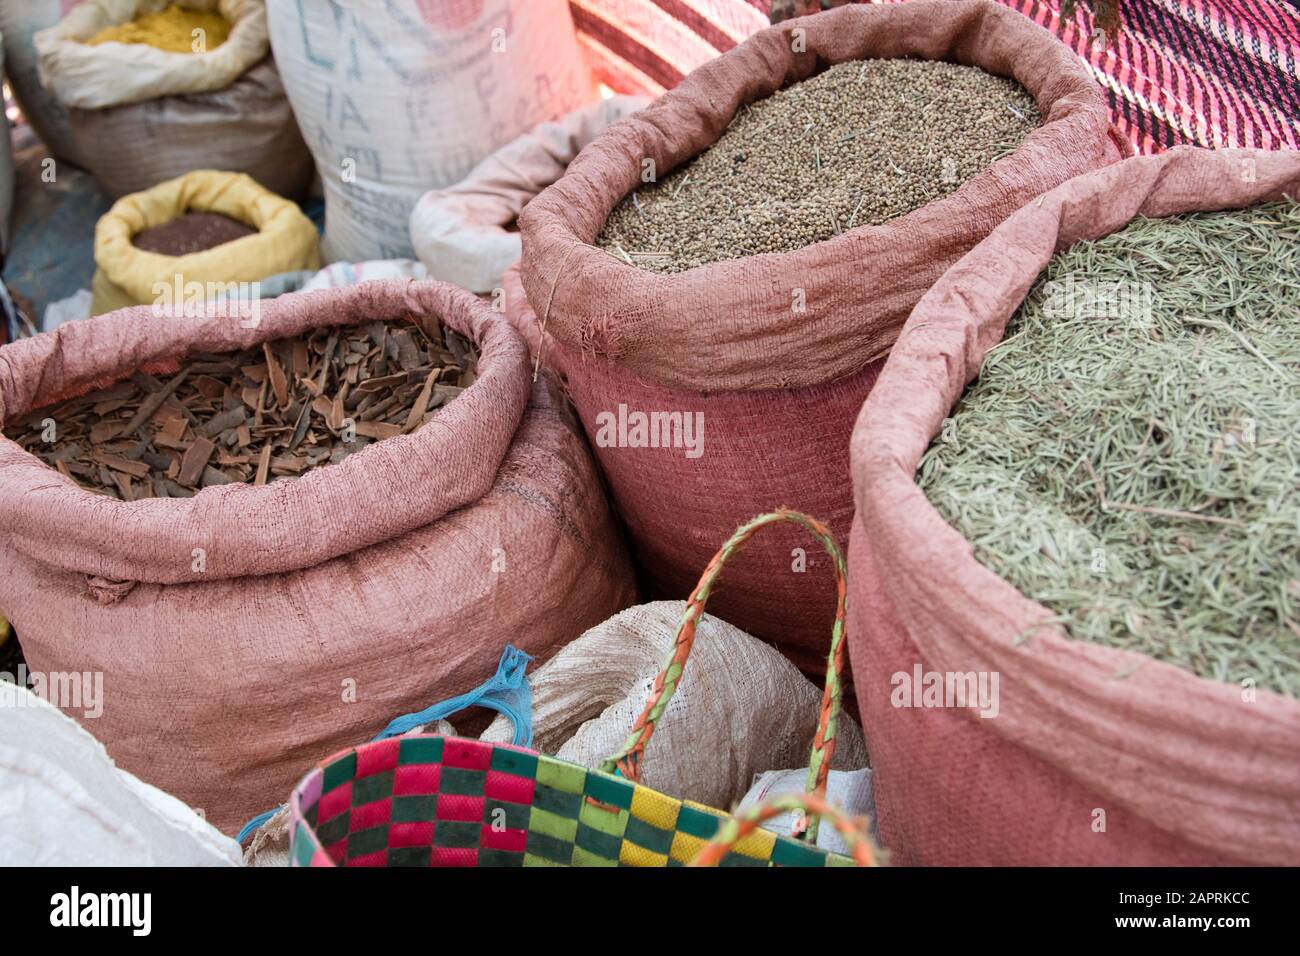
(285, 241)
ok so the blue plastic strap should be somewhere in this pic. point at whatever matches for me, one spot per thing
(506, 692)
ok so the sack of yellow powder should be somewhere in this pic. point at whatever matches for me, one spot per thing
(153, 89)
(112, 52)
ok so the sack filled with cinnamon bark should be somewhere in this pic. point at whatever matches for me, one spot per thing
(269, 539)
(720, 324)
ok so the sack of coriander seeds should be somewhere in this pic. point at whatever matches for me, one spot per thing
(737, 283)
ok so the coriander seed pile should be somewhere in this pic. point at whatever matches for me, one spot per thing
(859, 144)
(1129, 456)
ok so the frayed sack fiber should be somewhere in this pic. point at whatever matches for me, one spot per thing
(775, 388)
(245, 631)
(127, 275)
(1096, 755)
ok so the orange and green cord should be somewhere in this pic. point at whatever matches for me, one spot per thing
(627, 760)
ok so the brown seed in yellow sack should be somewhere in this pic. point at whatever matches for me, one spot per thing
(191, 232)
(174, 30)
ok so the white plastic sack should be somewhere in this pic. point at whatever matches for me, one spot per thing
(396, 99)
(113, 74)
(74, 307)
(64, 803)
(460, 232)
(20, 21)
(339, 274)
(848, 790)
(740, 709)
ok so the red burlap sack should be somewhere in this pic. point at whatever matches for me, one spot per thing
(328, 604)
(1186, 771)
(778, 390)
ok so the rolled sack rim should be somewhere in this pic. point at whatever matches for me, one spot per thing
(683, 348)
(449, 462)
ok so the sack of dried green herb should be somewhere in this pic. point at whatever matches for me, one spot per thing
(1091, 751)
(245, 629)
(773, 353)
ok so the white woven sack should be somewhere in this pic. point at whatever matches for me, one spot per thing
(339, 274)
(847, 790)
(460, 232)
(740, 709)
(64, 803)
(113, 74)
(397, 99)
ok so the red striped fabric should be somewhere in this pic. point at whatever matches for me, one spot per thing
(1215, 73)
(647, 46)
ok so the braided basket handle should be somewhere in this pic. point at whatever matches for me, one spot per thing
(627, 760)
(742, 825)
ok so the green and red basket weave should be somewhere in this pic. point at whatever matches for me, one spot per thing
(430, 800)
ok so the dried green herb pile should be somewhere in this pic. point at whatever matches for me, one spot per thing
(274, 411)
(859, 144)
(1130, 453)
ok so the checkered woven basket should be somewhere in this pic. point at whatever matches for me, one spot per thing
(431, 800)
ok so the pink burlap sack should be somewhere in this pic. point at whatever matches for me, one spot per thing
(778, 390)
(325, 605)
(1185, 770)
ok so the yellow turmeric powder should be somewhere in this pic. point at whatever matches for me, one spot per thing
(171, 30)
